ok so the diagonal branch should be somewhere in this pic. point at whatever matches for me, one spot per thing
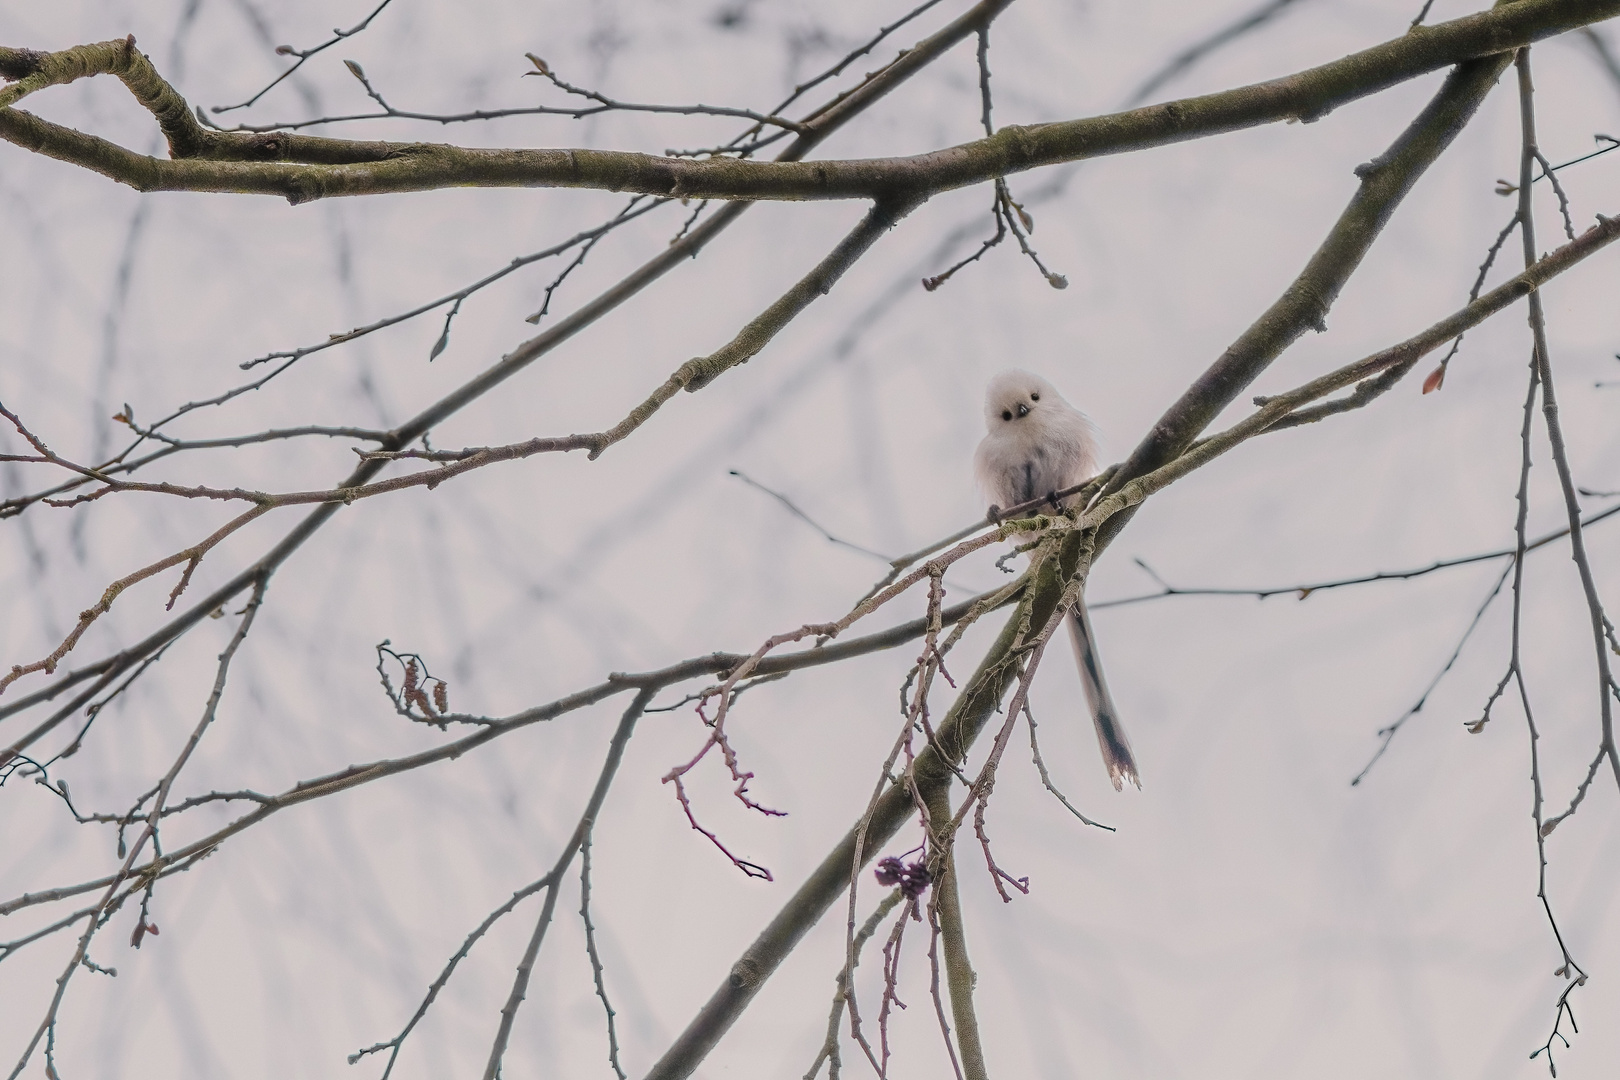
(698, 372)
(1385, 182)
(823, 122)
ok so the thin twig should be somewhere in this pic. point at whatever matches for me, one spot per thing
(1387, 734)
(1541, 365)
(595, 957)
(394, 1045)
(305, 54)
(1306, 590)
(47, 1027)
(1046, 779)
(829, 1047)
(593, 807)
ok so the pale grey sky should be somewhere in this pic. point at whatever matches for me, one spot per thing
(1254, 915)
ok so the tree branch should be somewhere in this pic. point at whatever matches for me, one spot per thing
(301, 168)
(959, 972)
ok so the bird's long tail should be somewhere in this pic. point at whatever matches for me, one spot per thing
(1116, 749)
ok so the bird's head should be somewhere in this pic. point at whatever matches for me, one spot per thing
(1014, 395)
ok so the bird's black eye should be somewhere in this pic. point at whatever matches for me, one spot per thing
(1034, 397)
(1006, 414)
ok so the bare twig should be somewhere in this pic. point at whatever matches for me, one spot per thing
(1387, 734)
(595, 958)
(81, 958)
(829, 1048)
(1306, 590)
(621, 737)
(1555, 435)
(1009, 215)
(394, 1045)
(1046, 779)
(1541, 373)
(191, 557)
(607, 104)
(305, 54)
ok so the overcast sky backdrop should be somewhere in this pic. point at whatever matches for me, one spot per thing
(1254, 915)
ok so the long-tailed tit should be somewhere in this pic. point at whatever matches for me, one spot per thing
(1038, 444)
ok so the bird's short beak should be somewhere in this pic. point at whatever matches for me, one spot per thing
(1023, 410)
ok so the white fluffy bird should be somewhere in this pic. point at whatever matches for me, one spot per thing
(1037, 444)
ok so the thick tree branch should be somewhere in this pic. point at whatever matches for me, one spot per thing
(301, 168)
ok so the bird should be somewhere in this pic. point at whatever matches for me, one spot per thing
(1035, 445)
